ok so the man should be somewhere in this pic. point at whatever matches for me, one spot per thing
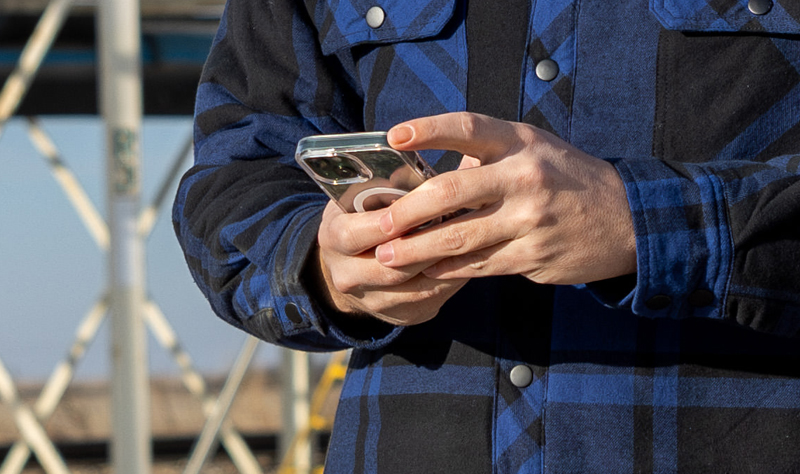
(623, 296)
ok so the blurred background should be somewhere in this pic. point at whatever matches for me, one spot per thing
(55, 338)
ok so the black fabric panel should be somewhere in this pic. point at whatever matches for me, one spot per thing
(793, 7)
(710, 349)
(537, 118)
(260, 54)
(788, 144)
(496, 36)
(525, 320)
(235, 189)
(769, 232)
(716, 440)
(449, 434)
(383, 66)
(711, 88)
(643, 441)
(249, 72)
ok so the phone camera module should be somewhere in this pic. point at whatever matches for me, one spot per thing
(339, 169)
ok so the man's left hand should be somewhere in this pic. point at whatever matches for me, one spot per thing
(540, 207)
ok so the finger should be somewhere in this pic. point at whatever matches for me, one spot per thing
(467, 233)
(479, 136)
(443, 195)
(361, 273)
(505, 258)
(349, 233)
(413, 302)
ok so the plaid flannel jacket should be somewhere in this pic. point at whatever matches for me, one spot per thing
(691, 365)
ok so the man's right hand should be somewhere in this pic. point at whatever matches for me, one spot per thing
(357, 284)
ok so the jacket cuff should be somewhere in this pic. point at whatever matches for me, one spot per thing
(298, 310)
(683, 242)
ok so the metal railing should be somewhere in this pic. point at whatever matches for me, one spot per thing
(30, 419)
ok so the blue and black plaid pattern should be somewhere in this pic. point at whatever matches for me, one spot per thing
(692, 365)
(547, 103)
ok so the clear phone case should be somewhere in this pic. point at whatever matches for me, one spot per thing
(360, 171)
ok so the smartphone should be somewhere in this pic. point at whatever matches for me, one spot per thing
(360, 171)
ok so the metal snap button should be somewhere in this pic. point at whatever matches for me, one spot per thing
(759, 7)
(375, 17)
(521, 376)
(547, 70)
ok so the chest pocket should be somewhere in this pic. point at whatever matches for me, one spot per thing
(728, 72)
(407, 57)
(758, 16)
(345, 24)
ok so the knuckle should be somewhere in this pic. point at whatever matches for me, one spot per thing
(530, 218)
(394, 277)
(470, 123)
(349, 240)
(427, 293)
(453, 239)
(447, 190)
(343, 283)
(531, 175)
(478, 262)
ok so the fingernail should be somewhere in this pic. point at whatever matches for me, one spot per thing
(386, 224)
(384, 253)
(400, 134)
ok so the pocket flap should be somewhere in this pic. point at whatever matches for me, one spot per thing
(772, 16)
(344, 23)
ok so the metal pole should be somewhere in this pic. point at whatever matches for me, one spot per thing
(121, 105)
(296, 410)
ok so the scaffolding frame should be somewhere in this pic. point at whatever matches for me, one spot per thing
(122, 238)
(133, 452)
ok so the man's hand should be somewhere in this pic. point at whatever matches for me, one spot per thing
(541, 208)
(355, 283)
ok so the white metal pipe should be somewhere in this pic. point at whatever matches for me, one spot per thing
(121, 105)
(38, 44)
(294, 440)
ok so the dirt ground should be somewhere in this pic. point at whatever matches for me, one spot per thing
(219, 465)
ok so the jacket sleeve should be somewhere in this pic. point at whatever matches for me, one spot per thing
(245, 215)
(718, 240)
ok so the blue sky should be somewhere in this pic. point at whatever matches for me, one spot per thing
(51, 272)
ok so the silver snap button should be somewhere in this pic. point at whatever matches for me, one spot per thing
(547, 70)
(759, 7)
(521, 376)
(375, 17)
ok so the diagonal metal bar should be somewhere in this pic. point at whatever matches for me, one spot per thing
(86, 210)
(208, 437)
(159, 325)
(234, 444)
(18, 83)
(58, 382)
(31, 430)
(148, 216)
